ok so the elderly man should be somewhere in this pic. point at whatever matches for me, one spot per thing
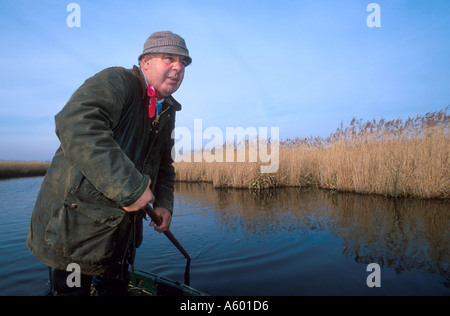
(114, 158)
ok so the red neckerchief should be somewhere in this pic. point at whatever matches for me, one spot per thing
(151, 92)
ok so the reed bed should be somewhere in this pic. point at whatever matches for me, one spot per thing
(396, 158)
(20, 169)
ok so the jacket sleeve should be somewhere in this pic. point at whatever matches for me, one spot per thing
(85, 129)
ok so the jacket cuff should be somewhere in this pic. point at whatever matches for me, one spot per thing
(137, 193)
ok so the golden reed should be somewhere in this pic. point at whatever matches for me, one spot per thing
(392, 158)
(18, 169)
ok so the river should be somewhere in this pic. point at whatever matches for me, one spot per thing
(288, 242)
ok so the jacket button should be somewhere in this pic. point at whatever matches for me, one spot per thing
(73, 206)
(111, 218)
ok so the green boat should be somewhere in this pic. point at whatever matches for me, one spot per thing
(148, 284)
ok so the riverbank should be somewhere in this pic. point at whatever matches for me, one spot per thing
(22, 169)
(391, 158)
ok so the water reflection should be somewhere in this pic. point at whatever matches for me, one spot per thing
(288, 242)
(400, 234)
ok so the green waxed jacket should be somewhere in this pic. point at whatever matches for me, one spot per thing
(109, 150)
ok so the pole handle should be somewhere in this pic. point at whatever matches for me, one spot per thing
(151, 212)
(157, 219)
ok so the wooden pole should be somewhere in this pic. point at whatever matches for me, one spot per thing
(155, 217)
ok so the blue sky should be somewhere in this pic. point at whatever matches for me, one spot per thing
(304, 66)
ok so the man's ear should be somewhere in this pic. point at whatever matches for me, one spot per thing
(144, 62)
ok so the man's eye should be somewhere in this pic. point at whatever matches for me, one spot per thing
(168, 59)
(171, 59)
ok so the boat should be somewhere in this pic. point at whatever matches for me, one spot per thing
(144, 283)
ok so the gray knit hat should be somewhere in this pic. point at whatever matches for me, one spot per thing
(166, 42)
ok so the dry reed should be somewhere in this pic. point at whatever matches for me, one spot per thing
(397, 158)
(19, 169)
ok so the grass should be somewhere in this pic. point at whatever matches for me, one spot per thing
(19, 169)
(397, 158)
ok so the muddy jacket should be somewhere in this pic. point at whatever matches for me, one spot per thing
(109, 149)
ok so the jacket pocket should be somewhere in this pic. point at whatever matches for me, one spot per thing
(84, 231)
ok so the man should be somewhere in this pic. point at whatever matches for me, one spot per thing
(114, 158)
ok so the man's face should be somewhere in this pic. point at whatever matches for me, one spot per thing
(165, 72)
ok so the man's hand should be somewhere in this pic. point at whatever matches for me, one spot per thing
(146, 197)
(166, 219)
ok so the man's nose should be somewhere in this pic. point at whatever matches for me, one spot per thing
(177, 65)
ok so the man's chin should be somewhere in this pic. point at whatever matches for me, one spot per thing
(168, 92)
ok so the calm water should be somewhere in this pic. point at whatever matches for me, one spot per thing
(292, 242)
